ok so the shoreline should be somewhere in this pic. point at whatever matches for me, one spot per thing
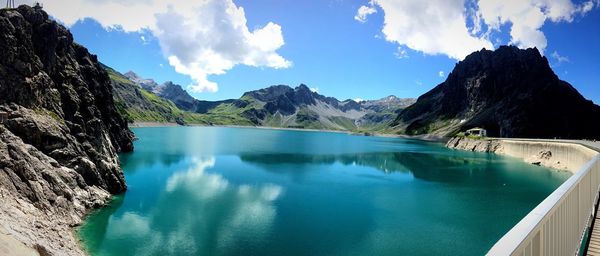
(426, 137)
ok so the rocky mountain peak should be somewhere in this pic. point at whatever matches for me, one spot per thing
(270, 93)
(132, 75)
(511, 92)
(167, 90)
(177, 95)
(391, 98)
(302, 95)
(147, 84)
(505, 59)
(302, 87)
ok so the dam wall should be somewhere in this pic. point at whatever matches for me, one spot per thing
(558, 154)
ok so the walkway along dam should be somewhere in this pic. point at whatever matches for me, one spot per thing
(561, 222)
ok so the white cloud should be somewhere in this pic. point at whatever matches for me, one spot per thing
(433, 27)
(144, 40)
(358, 100)
(588, 6)
(401, 53)
(314, 89)
(441, 74)
(559, 58)
(456, 28)
(363, 12)
(526, 18)
(199, 38)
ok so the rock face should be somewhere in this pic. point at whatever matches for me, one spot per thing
(58, 148)
(482, 145)
(511, 93)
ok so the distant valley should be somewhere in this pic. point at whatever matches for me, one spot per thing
(144, 100)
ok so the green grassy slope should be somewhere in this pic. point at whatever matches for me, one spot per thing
(139, 105)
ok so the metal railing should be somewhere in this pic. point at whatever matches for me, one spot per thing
(557, 225)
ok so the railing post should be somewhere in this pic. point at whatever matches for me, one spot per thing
(541, 251)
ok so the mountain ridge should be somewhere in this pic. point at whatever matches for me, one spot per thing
(284, 106)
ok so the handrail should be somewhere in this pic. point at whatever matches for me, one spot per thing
(557, 225)
(593, 145)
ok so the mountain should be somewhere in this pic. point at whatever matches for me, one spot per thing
(137, 100)
(276, 106)
(147, 84)
(167, 90)
(510, 92)
(283, 106)
(143, 100)
(62, 132)
(384, 111)
(390, 103)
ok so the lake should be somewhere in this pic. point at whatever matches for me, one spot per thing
(244, 191)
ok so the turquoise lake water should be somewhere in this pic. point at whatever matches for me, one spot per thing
(238, 191)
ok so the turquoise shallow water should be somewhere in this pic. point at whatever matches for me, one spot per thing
(236, 191)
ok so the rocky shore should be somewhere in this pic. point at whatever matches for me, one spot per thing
(476, 145)
(59, 135)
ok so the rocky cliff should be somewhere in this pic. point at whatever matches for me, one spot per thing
(511, 93)
(58, 148)
(475, 145)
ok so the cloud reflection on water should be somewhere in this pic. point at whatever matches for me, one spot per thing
(196, 181)
(205, 212)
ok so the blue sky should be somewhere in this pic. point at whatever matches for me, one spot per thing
(342, 57)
